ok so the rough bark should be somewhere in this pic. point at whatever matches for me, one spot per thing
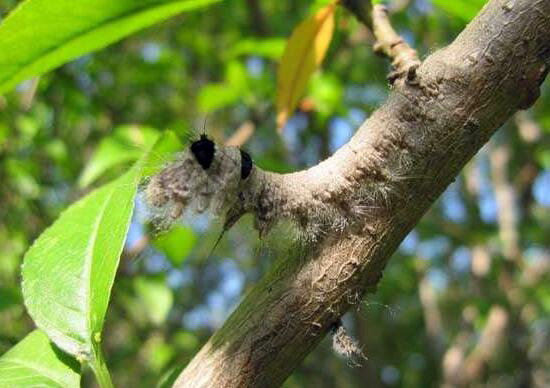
(396, 165)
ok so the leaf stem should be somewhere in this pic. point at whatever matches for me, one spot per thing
(101, 372)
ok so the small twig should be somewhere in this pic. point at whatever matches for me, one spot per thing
(492, 337)
(506, 198)
(528, 129)
(404, 58)
(241, 135)
(462, 370)
(28, 95)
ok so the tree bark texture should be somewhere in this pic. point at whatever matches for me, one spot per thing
(397, 164)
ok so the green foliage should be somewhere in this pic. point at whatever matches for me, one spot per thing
(90, 119)
(126, 144)
(36, 362)
(69, 270)
(215, 96)
(155, 296)
(42, 34)
(462, 9)
(271, 48)
(8, 298)
(176, 244)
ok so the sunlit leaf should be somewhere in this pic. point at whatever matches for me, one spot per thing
(126, 144)
(69, 271)
(217, 95)
(40, 35)
(326, 92)
(36, 362)
(176, 244)
(463, 9)
(303, 53)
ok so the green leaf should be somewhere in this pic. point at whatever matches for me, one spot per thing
(462, 9)
(327, 93)
(40, 35)
(543, 157)
(155, 296)
(36, 362)
(69, 271)
(215, 96)
(126, 144)
(270, 48)
(176, 244)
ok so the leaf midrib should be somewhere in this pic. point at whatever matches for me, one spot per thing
(90, 249)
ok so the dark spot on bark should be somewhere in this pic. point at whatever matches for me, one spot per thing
(246, 164)
(335, 325)
(204, 150)
(472, 126)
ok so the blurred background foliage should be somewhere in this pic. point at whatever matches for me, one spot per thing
(466, 299)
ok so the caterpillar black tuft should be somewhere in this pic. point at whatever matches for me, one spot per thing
(203, 150)
(246, 164)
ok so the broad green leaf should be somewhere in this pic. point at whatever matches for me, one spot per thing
(176, 244)
(155, 296)
(69, 271)
(40, 35)
(36, 362)
(463, 9)
(303, 54)
(126, 144)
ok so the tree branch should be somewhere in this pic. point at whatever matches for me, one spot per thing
(404, 58)
(377, 187)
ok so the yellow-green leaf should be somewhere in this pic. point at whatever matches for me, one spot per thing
(39, 35)
(304, 52)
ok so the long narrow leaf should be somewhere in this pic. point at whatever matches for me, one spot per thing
(303, 53)
(40, 35)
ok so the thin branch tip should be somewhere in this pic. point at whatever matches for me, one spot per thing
(387, 43)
